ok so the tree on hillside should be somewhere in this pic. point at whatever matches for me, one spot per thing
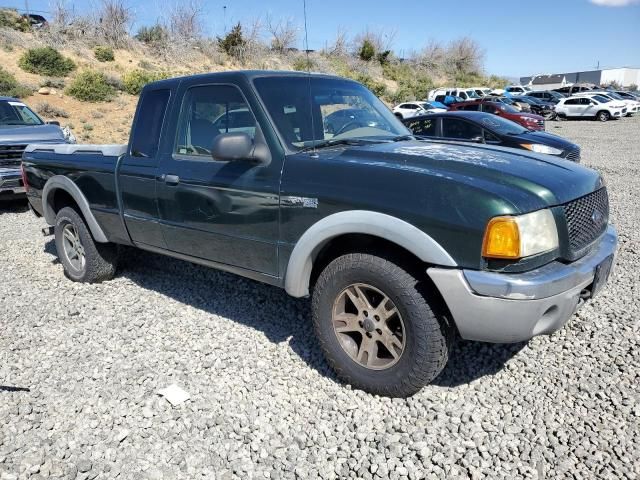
(233, 40)
(185, 20)
(284, 34)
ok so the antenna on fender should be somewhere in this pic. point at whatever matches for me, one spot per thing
(306, 49)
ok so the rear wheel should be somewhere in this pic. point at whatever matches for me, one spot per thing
(377, 329)
(83, 259)
(603, 116)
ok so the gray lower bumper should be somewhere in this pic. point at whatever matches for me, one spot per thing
(10, 181)
(506, 308)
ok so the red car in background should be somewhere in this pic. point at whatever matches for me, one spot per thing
(529, 121)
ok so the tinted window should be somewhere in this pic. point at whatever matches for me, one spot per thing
(461, 129)
(423, 127)
(487, 107)
(572, 101)
(209, 111)
(474, 107)
(13, 112)
(148, 124)
(585, 101)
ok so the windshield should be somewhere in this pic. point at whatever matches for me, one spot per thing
(502, 126)
(339, 109)
(601, 98)
(615, 95)
(472, 94)
(13, 112)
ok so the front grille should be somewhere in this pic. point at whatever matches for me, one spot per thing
(587, 218)
(11, 154)
(574, 155)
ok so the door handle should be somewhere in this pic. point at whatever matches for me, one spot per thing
(170, 179)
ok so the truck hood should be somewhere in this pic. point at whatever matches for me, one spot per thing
(526, 180)
(30, 134)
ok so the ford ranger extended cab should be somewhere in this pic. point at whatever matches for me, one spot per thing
(401, 243)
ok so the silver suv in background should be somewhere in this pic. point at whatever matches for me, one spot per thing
(20, 126)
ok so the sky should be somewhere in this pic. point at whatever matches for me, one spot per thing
(519, 38)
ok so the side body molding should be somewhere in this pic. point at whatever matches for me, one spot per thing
(366, 222)
(60, 182)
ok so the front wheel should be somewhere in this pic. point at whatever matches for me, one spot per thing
(83, 259)
(603, 116)
(377, 329)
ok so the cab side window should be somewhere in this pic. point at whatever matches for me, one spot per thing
(209, 111)
(148, 124)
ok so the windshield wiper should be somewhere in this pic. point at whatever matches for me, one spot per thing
(335, 141)
(400, 138)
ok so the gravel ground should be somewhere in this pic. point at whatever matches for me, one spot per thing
(80, 367)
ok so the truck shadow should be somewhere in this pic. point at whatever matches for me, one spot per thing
(470, 361)
(11, 205)
(281, 318)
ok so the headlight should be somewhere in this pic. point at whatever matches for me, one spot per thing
(536, 147)
(515, 237)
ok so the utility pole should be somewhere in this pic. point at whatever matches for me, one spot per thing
(224, 19)
(26, 7)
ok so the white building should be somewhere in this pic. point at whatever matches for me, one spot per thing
(624, 76)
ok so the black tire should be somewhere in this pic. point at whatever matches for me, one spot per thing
(428, 336)
(100, 259)
(603, 116)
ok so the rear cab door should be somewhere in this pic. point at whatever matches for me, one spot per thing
(136, 172)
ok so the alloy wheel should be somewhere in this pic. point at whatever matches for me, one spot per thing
(369, 326)
(73, 249)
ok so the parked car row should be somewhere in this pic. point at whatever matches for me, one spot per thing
(483, 127)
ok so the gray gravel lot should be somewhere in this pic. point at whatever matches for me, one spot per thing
(80, 366)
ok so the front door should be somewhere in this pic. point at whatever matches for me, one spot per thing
(137, 171)
(222, 211)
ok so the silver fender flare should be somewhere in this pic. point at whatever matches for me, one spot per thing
(366, 222)
(60, 182)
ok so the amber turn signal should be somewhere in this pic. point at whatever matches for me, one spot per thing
(501, 239)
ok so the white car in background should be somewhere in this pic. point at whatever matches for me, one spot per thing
(633, 105)
(465, 94)
(517, 89)
(413, 109)
(591, 105)
(482, 91)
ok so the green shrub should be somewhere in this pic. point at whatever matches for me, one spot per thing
(91, 86)
(303, 64)
(10, 87)
(10, 18)
(232, 40)
(154, 34)
(104, 54)
(135, 80)
(367, 50)
(46, 61)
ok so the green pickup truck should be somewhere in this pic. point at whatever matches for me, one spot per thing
(309, 183)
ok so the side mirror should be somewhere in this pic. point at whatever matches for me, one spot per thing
(232, 146)
(53, 122)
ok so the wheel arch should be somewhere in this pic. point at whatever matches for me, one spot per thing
(357, 222)
(59, 183)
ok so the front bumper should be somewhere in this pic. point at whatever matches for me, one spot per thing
(506, 308)
(11, 181)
